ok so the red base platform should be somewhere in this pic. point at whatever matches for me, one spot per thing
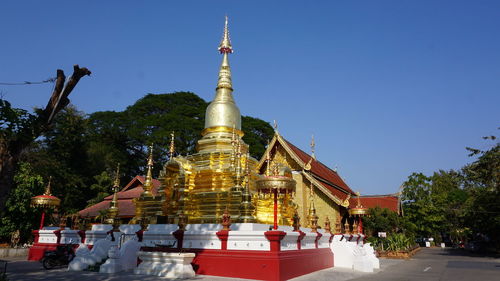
(261, 265)
(37, 251)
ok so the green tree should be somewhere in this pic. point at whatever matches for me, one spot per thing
(101, 187)
(422, 205)
(124, 136)
(385, 220)
(62, 154)
(482, 177)
(18, 213)
(19, 129)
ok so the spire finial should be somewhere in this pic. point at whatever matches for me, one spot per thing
(171, 150)
(225, 48)
(359, 200)
(116, 186)
(313, 146)
(225, 44)
(268, 159)
(313, 218)
(148, 185)
(233, 149)
(222, 112)
(47, 189)
(117, 176)
(275, 126)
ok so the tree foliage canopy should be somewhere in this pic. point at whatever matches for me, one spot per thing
(458, 205)
(81, 151)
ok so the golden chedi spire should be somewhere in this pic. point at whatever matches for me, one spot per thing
(116, 186)
(171, 150)
(113, 206)
(313, 218)
(222, 113)
(148, 184)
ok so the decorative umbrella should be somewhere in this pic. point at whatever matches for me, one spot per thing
(357, 212)
(45, 201)
(280, 182)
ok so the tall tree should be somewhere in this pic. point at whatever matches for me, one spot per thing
(18, 213)
(19, 128)
(482, 183)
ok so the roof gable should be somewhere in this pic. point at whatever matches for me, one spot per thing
(318, 173)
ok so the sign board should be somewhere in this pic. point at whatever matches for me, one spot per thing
(427, 244)
(382, 234)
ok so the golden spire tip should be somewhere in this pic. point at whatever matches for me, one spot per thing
(313, 145)
(172, 144)
(117, 176)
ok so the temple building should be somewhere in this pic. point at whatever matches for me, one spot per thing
(222, 178)
(124, 200)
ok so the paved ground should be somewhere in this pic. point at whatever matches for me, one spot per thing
(437, 264)
(428, 264)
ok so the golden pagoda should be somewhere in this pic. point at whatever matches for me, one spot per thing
(148, 207)
(221, 178)
(113, 206)
(221, 174)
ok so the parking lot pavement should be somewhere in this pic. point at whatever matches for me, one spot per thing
(428, 264)
(22, 270)
(438, 264)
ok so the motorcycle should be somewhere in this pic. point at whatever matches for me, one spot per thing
(63, 255)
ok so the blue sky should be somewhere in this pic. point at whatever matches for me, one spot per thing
(387, 87)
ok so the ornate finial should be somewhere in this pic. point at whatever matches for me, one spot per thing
(313, 218)
(359, 201)
(313, 145)
(116, 186)
(47, 189)
(247, 208)
(225, 44)
(113, 206)
(117, 176)
(268, 159)
(226, 220)
(148, 185)
(222, 112)
(327, 226)
(225, 48)
(347, 229)
(171, 150)
(355, 229)
(275, 126)
(238, 162)
(233, 149)
(345, 203)
(150, 158)
(338, 227)
(296, 221)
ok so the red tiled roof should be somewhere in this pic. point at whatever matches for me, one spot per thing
(323, 172)
(390, 202)
(335, 191)
(126, 206)
(134, 189)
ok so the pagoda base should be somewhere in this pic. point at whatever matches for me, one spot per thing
(37, 251)
(260, 265)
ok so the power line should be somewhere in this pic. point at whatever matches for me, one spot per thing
(50, 80)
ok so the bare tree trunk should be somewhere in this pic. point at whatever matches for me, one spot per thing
(10, 150)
